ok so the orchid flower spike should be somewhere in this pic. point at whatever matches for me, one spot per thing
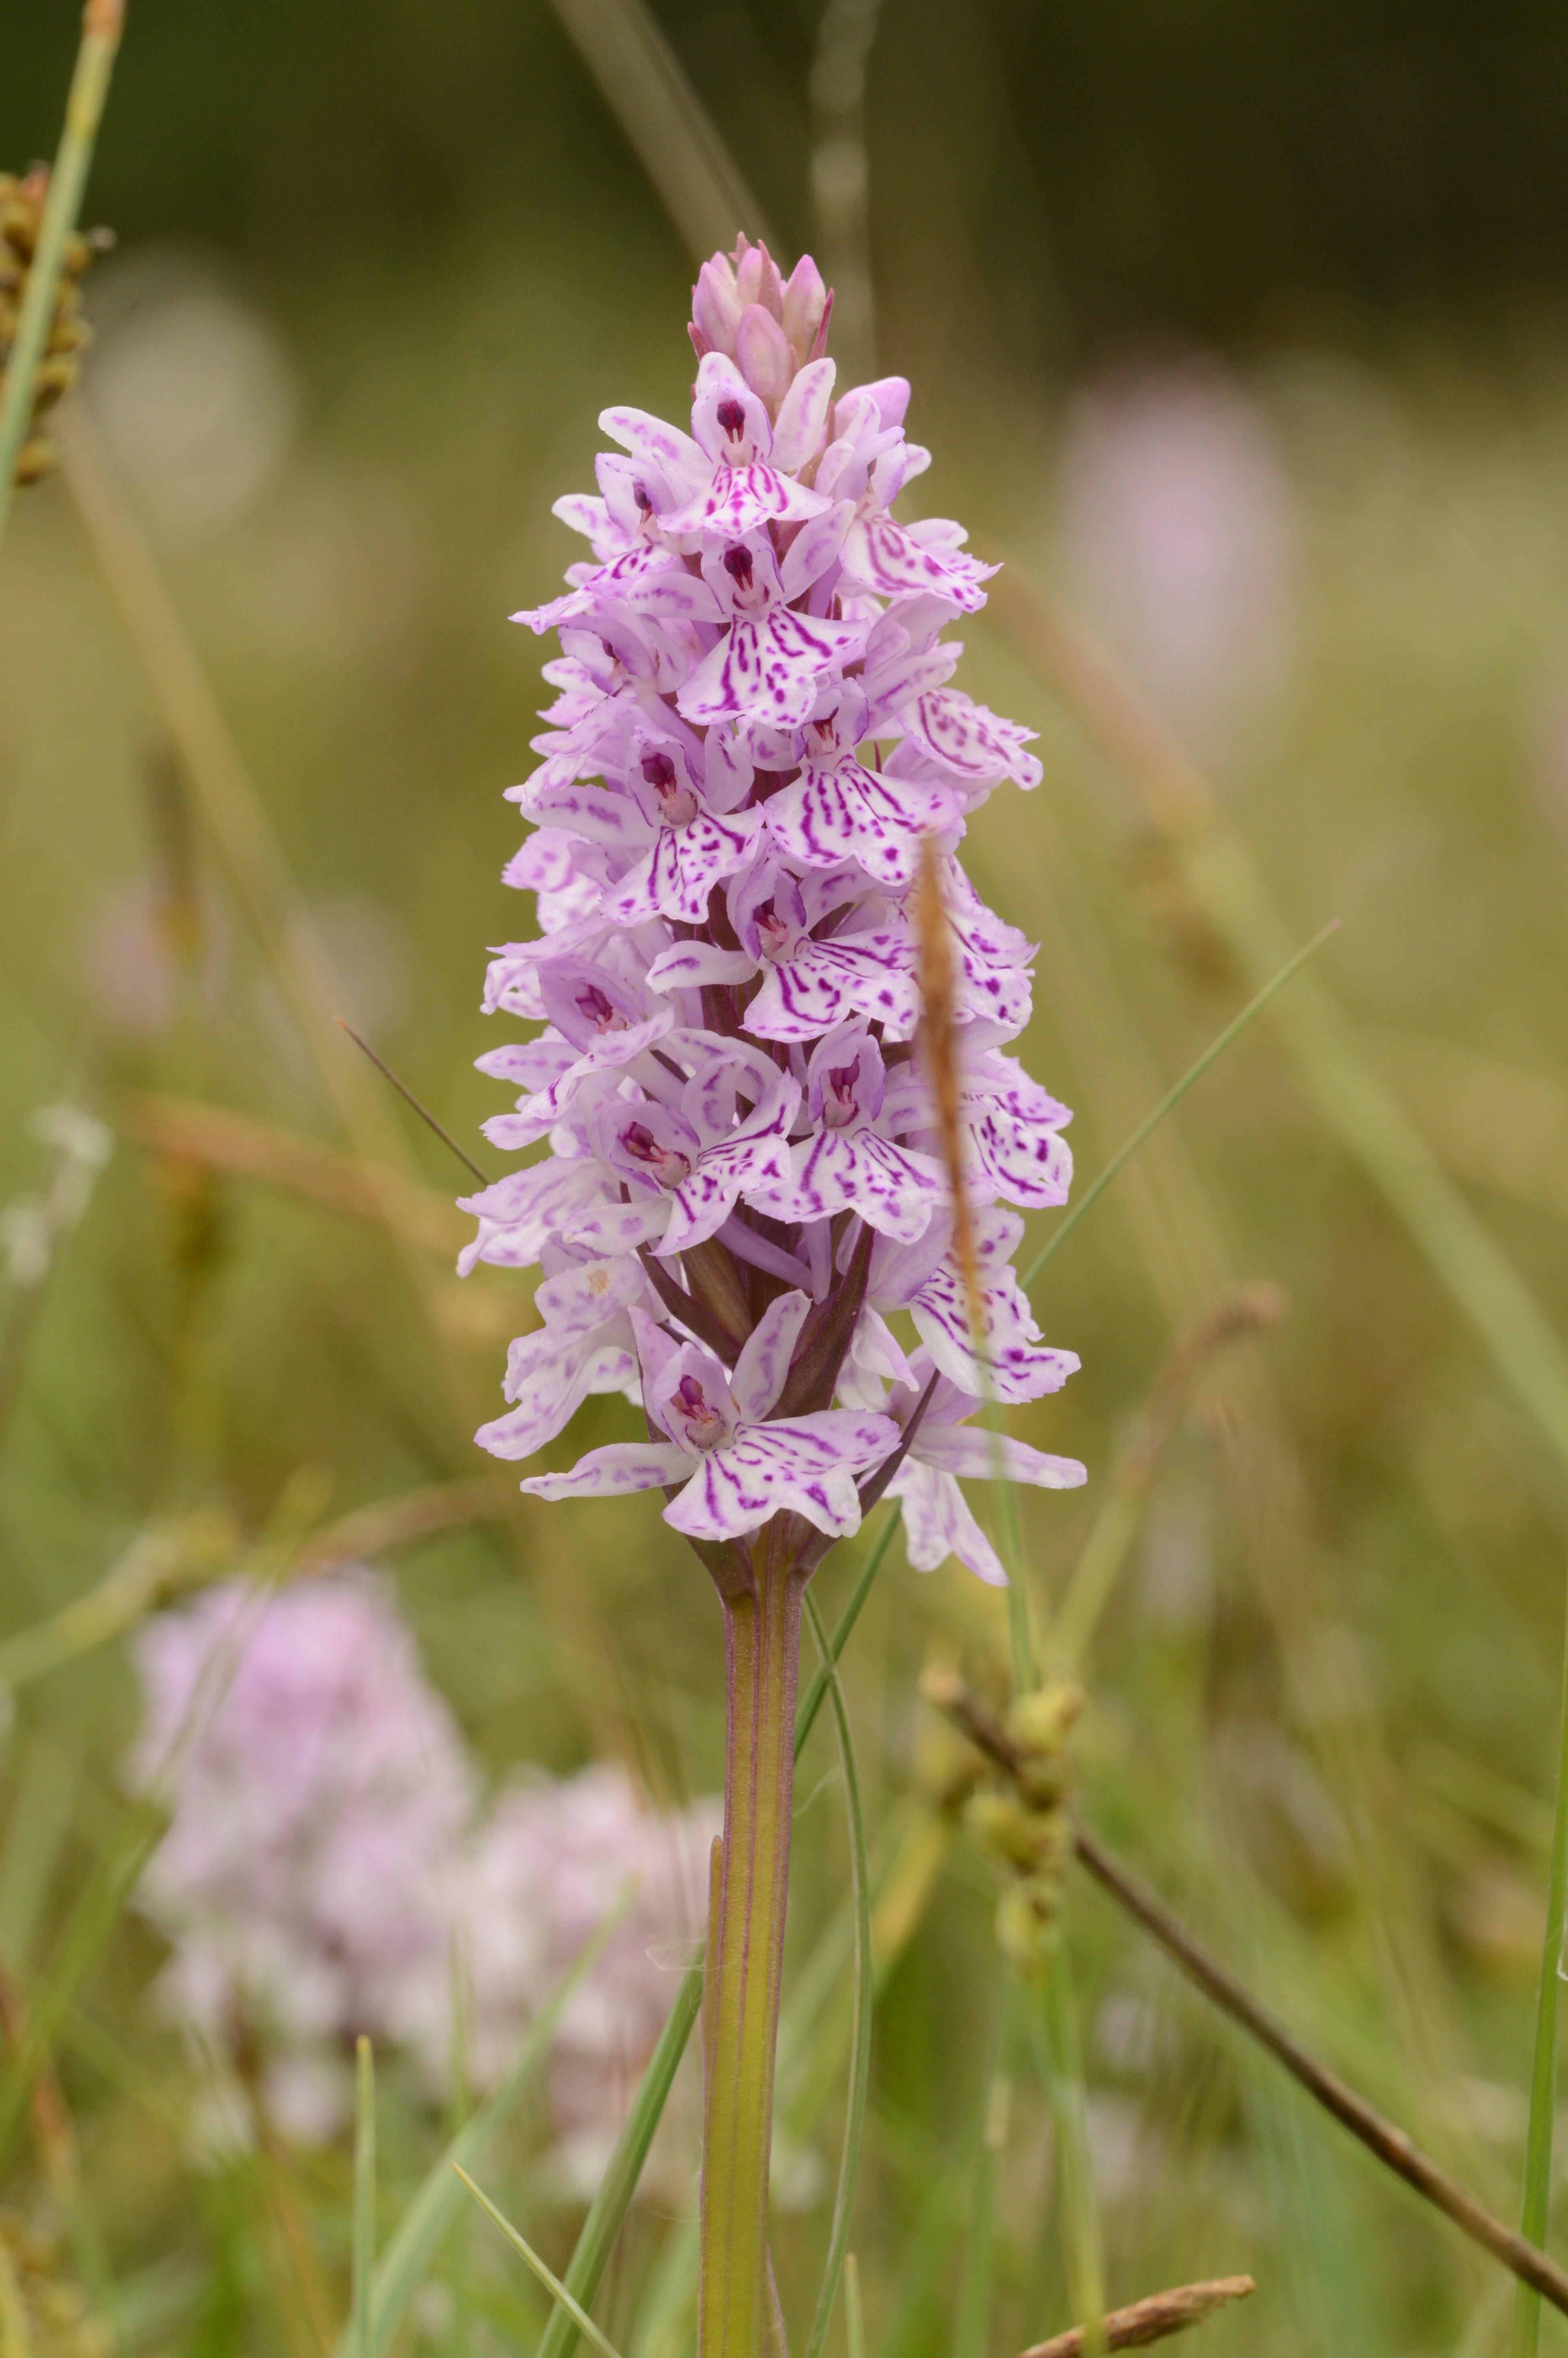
(745, 1217)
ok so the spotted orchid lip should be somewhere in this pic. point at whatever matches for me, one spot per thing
(754, 754)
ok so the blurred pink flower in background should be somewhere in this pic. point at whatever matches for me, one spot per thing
(319, 1788)
(546, 1867)
(325, 1872)
(1182, 528)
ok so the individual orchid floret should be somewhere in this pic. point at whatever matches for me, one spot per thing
(771, 663)
(601, 1027)
(754, 448)
(1009, 1358)
(736, 1469)
(694, 849)
(966, 743)
(680, 1168)
(838, 810)
(585, 1346)
(809, 984)
(937, 1519)
(848, 1161)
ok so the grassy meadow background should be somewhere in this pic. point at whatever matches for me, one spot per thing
(1240, 332)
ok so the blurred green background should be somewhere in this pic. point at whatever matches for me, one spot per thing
(1239, 330)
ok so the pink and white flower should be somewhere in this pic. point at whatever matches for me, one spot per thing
(754, 744)
(735, 1467)
(937, 1519)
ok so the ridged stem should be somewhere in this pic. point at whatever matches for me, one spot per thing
(745, 1935)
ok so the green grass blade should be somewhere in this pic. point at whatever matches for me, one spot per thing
(971, 2328)
(87, 1934)
(1173, 1099)
(364, 2196)
(666, 2315)
(854, 2319)
(811, 1703)
(608, 2210)
(552, 2284)
(1537, 2206)
(860, 2044)
(1055, 2025)
(438, 2201)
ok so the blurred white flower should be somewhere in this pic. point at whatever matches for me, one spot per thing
(191, 389)
(31, 1228)
(1182, 529)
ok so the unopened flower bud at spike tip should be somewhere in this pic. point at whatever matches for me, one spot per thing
(771, 327)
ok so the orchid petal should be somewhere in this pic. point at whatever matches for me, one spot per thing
(693, 965)
(887, 558)
(679, 873)
(763, 1363)
(519, 1212)
(937, 1523)
(745, 499)
(768, 669)
(610, 1472)
(803, 415)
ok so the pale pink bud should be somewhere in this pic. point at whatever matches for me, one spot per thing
(765, 357)
(757, 279)
(716, 306)
(805, 307)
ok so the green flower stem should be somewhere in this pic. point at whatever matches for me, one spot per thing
(1536, 2212)
(84, 107)
(745, 1936)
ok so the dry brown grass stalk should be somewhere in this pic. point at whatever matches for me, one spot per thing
(1150, 2320)
(939, 1047)
(1393, 2146)
(241, 1148)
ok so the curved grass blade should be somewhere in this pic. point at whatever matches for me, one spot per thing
(811, 1703)
(552, 2284)
(1173, 1099)
(861, 2045)
(438, 2200)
